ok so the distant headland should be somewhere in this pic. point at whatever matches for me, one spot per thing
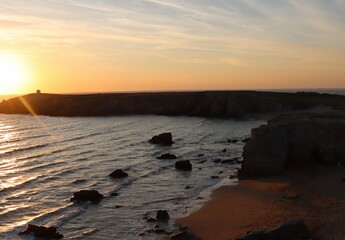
(232, 104)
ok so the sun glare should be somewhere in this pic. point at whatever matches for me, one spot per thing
(12, 75)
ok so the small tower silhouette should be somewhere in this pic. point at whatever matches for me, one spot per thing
(38, 91)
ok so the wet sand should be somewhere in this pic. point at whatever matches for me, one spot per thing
(318, 197)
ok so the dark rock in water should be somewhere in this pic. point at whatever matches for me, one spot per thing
(203, 161)
(227, 161)
(201, 155)
(224, 150)
(118, 206)
(220, 172)
(167, 156)
(295, 139)
(162, 139)
(119, 173)
(233, 140)
(292, 229)
(87, 195)
(151, 220)
(42, 232)
(214, 177)
(162, 216)
(188, 187)
(114, 194)
(216, 161)
(183, 165)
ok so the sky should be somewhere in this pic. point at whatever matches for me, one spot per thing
(66, 46)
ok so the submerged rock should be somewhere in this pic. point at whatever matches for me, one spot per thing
(118, 173)
(87, 195)
(162, 139)
(42, 232)
(167, 156)
(183, 165)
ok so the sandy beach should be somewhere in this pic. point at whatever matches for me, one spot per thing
(315, 194)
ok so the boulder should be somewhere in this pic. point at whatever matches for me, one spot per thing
(87, 195)
(167, 156)
(292, 229)
(42, 232)
(162, 216)
(293, 140)
(118, 173)
(184, 165)
(162, 139)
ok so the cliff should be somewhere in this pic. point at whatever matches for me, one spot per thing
(206, 104)
(296, 139)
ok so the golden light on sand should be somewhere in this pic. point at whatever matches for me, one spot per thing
(12, 74)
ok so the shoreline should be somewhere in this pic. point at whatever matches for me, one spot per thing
(313, 193)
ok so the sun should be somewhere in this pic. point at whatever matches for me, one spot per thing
(12, 75)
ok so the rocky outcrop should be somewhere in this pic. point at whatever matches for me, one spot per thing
(118, 173)
(87, 195)
(291, 229)
(42, 232)
(295, 139)
(162, 139)
(183, 165)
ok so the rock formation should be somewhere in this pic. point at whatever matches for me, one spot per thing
(167, 156)
(118, 173)
(87, 195)
(42, 232)
(295, 139)
(162, 139)
(184, 165)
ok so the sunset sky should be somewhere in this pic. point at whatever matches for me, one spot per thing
(66, 46)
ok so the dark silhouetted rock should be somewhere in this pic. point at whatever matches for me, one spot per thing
(162, 139)
(188, 187)
(228, 161)
(224, 150)
(201, 155)
(167, 156)
(295, 139)
(292, 229)
(119, 173)
(215, 177)
(233, 140)
(42, 232)
(162, 216)
(216, 160)
(184, 165)
(114, 194)
(87, 195)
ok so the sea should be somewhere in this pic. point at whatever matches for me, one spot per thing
(44, 160)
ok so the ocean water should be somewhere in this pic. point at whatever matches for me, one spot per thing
(43, 160)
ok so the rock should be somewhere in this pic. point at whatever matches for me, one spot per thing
(118, 206)
(87, 195)
(295, 139)
(291, 229)
(184, 165)
(203, 161)
(151, 220)
(216, 160)
(228, 161)
(42, 232)
(220, 172)
(233, 140)
(118, 173)
(167, 156)
(224, 150)
(162, 216)
(201, 155)
(214, 177)
(114, 194)
(188, 187)
(162, 139)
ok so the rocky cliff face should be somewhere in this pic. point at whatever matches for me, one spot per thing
(295, 139)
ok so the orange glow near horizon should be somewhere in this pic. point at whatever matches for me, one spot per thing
(155, 45)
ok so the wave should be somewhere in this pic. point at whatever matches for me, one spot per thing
(23, 149)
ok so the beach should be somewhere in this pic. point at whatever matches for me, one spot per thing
(313, 193)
